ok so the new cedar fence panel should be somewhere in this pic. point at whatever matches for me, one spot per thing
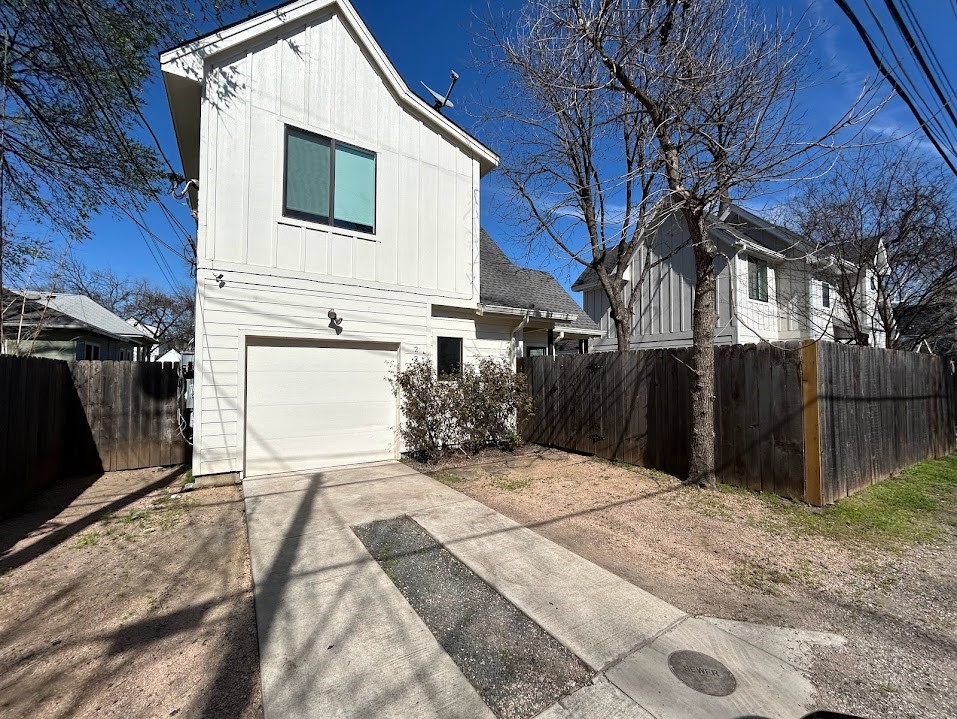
(810, 421)
(61, 419)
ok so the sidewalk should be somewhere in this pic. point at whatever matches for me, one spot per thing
(337, 639)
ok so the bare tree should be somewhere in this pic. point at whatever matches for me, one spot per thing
(576, 156)
(167, 315)
(889, 218)
(714, 88)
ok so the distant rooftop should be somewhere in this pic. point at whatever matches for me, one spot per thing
(84, 310)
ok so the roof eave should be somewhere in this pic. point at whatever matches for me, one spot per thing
(485, 309)
(188, 61)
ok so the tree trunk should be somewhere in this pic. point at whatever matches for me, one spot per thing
(704, 321)
(623, 324)
(621, 314)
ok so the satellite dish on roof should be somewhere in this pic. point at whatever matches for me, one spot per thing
(441, 101)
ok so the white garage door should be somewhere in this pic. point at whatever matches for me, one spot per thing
(309, 407)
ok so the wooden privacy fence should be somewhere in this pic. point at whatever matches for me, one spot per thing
(61, 419)
(810, 421)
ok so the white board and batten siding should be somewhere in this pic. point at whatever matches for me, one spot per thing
(317, 78)
(281, 276)
(663, 308)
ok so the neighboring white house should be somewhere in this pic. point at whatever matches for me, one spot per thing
(772, 287)
(338, 236)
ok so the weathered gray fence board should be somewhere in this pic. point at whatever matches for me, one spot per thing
(875, 412)
(881, 411)
(59, 419)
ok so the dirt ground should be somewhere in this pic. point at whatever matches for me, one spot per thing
(129, 599)
(727, 554)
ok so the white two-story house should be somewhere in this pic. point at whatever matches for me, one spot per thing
(338, 236)
(772, 286)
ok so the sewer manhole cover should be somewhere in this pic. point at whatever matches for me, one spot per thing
(702, 673)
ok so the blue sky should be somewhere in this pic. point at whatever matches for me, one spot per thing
(427, 38)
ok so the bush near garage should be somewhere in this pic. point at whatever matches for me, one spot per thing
(469, 411)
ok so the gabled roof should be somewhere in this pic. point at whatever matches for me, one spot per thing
(82, 312)
(184, 65)
(589, 276)
(736, 227)
(505, 284)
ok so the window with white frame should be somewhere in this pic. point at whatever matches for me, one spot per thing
(757, 279)
(329, 182)
(825, 294)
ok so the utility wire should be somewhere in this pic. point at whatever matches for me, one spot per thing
(911, 17)
(83, 78)
(895, 85)
(917, 94)
(129, 93)
(177, 226)
(915, 49)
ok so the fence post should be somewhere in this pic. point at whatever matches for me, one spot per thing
(812, 425)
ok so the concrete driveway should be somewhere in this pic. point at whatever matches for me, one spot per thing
(338, 639)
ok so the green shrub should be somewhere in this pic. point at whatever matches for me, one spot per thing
(473, 410)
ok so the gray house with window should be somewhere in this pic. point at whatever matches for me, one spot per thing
(68, 327)
(772, 286)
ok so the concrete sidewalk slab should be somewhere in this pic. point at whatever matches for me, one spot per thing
(795, 646)
(337, 639)
(765, 685)
(596, 614)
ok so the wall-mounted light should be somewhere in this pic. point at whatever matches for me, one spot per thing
(219, 279)
(335, 322)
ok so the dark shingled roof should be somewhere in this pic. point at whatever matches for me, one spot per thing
(505, 284)
(589, 276)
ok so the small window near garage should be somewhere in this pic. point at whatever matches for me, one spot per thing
(449, 357)
(825, 294)
(873, 283)
(329, 182)
(535, 351)
(92, 351)
(757, 279)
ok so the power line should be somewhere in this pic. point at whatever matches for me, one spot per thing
(895, 85)
(927, 47)
(174, 222)
(909, 39)
(934, 117)
(121, 138)
(129, 93)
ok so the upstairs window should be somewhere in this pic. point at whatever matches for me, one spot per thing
(825, 294)
(449, 357)
(757, 279)
(328, 182)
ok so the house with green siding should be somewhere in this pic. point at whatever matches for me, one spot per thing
(68, 327)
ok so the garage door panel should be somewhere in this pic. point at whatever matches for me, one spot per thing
(307, 389)
(295, 454)
(296, 358)
(305, 420)
(309, 406)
